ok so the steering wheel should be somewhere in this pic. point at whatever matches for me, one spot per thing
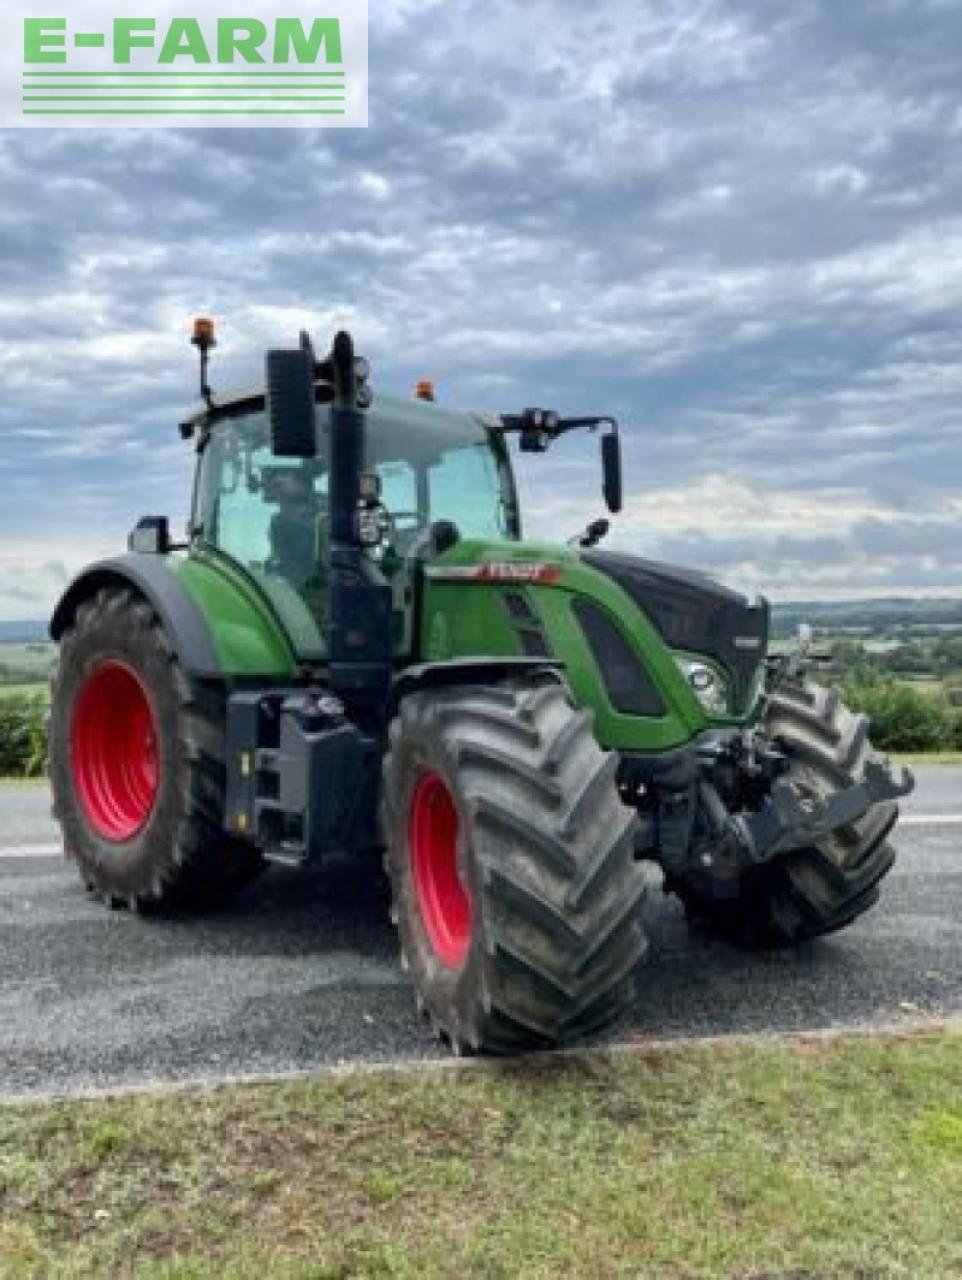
(396, 516)
(406, 535)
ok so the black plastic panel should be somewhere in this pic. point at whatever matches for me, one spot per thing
(518, 607)
(628, 684)
(533, 643)
(527, 624)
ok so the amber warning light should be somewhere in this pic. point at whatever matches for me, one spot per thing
(203, 339)
(203, 335)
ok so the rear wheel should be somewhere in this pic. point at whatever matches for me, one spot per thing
(511, 861)
(824, 887)
(137, 763)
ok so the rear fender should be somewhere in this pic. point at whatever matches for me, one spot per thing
(151, 577)
(218, 629)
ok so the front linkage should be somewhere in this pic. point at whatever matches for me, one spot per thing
(729, 802)
(800, 777)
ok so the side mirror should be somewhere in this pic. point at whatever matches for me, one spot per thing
(290, 403)
(597, 530)
(611, 469)
(151, 536)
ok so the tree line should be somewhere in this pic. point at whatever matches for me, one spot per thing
(903, 718)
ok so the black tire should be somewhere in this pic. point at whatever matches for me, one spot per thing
(180, 856)
(544, 850)
(824, 887)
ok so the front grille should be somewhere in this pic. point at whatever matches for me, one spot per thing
(527, 625)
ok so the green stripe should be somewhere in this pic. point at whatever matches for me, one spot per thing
(167, 97)
(196, 111)
(223, 90)
(290, 74)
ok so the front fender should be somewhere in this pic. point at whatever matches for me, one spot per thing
(464, 671)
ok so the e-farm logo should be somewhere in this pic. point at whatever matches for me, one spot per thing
(306, 67)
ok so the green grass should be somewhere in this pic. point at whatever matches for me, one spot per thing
(806, 1159)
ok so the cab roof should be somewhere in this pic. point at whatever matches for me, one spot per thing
(408, 412)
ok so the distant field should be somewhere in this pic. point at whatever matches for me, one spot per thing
(15, 690)
(26, 655)
(933, 686)
(25, 668)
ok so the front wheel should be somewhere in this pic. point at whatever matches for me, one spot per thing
(511, 861)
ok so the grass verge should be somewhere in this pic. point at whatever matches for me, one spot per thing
(927, 757)
(807, 1158)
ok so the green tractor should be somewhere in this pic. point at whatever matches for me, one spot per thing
(356, 652)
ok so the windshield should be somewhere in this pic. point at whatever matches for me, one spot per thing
(438, 465)
(271, 515)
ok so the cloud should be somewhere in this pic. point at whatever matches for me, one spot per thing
(737, 227)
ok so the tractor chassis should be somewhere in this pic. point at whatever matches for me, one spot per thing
(302, 779)
(304, 766)
(303, 782)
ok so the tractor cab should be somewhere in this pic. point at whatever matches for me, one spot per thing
(271, 514)
(332, 499)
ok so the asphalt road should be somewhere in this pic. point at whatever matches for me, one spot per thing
(301, 971)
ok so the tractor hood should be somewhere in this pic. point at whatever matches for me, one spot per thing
(694, 614)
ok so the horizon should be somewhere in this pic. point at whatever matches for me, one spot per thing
(777, 604)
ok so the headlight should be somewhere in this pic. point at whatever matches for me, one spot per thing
(707, 684)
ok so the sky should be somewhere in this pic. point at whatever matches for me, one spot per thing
(735, 225)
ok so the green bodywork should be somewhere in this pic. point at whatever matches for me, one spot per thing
(248, 636)
(471, 619)
(463, 619)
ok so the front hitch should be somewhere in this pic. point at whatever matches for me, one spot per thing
(789, 819)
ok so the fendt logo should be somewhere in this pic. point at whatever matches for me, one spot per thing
(299, 65)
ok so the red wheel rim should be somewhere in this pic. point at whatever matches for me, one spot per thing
(113, 751)
(441, 896)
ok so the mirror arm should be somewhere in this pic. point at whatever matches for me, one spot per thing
(512, 422)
